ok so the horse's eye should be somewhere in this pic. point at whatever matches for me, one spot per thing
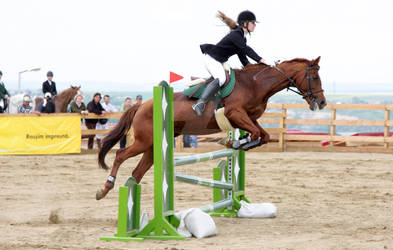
(315, 78)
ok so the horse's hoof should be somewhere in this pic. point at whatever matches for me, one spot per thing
(99, 195)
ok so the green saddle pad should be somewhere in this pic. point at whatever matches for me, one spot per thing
(224, 92)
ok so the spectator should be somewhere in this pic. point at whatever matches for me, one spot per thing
(4, 95)
(47, 105)
(103, 123)
(95, 107)
(138, 100)
(190, 141)
(186, 141)
(194, 141)
(25, 106)
(78, 106)
(49, 85)
(126, 105)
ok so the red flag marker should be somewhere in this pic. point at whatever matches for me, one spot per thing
(173, 77)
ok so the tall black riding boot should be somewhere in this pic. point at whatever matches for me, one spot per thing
(208, 92)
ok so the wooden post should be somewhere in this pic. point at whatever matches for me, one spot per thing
(129, 137)
(386, 129)
(179, 142)
(332, 126)
(281, 142)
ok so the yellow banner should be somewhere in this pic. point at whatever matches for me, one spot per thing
(40, 135)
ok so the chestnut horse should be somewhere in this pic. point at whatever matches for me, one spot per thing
(255, 84)
(62, 100)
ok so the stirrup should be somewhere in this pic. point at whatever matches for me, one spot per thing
(199, 107)
(245, 142)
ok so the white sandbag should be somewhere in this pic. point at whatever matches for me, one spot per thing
(200, 224)
(195, 222)
(182, 226)
(257, 210)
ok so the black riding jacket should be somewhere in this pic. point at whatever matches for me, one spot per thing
(51, 88)
(231, 44)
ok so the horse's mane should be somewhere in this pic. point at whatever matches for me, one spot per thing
(298, 60)
(254, 67)
(261, 66)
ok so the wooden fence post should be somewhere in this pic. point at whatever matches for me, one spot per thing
(332, 126)
(281, 141)
(386, 129)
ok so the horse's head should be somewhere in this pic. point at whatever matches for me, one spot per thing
(308, 82)
(75, 88)
(73, 91)
(65, 97)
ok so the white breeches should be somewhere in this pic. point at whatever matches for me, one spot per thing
(215, 69)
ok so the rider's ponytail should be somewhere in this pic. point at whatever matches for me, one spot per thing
(228, 21)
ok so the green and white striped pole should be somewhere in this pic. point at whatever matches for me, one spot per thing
(162, 226)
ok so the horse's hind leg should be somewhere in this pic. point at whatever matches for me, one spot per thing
(122, 155)
(144, 165)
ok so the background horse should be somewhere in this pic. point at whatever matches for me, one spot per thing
(63, 99)
(255, 84)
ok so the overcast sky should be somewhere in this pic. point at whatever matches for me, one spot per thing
(134, 44)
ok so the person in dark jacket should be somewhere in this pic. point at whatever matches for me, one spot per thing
(47, 105)
(4, 95)
(95, 107)
(215, 55)
(49, 85)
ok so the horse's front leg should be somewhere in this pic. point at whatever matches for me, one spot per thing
(265, 137)
(240, 119)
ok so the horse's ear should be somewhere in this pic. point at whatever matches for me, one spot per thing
(316, 61)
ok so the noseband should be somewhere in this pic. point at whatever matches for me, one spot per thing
(310, 93)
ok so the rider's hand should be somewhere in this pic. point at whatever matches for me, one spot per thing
(6, 96)
(262, 61)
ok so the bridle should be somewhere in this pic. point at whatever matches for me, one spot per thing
(310, 93)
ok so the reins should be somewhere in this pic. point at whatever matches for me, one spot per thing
(292, 83)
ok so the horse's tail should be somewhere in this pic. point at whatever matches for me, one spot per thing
(228, 21)
(116, 134)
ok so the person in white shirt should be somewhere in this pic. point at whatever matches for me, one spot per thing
(103, 123)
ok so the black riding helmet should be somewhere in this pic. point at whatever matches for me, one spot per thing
(50, 73)
(246, 16)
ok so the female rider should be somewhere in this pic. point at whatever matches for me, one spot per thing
(215, 55)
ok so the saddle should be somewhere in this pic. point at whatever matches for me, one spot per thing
(198, 84)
